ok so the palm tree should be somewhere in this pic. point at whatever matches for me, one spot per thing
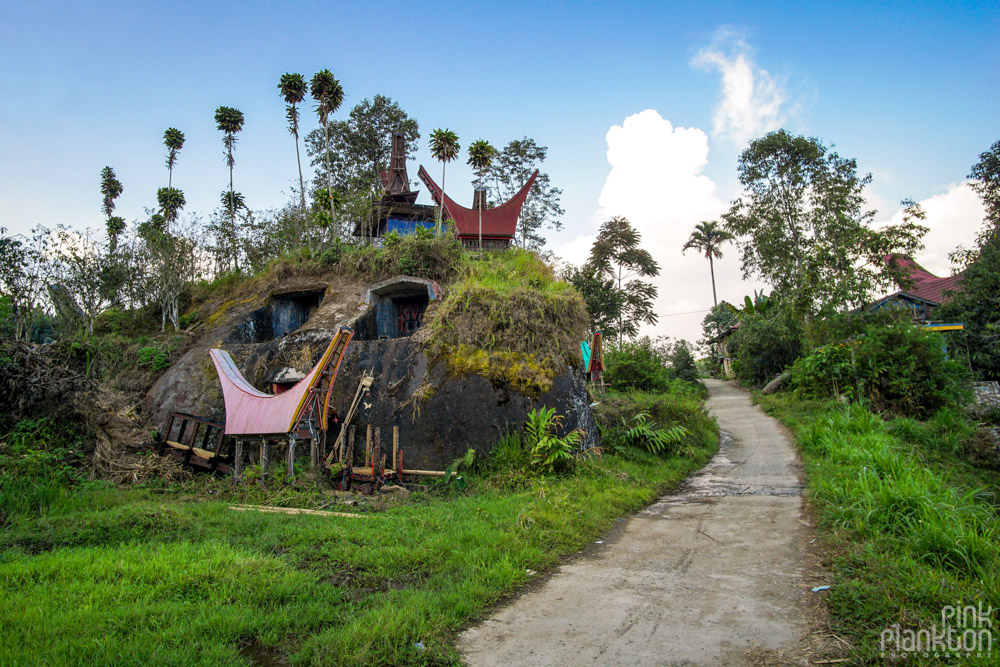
(293, 88)
(173, 139)
(481, 154)
(111, 189)
(444, 147)
(329, 95)
(229, 122)
(707, 237)
(171, 201)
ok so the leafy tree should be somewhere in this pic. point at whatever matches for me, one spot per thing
(444, 147)
(229, 122)
(293, 89)
(361, 146)
(111, 189)
(720, 318)
(682, 363)
(329, 95)
(85, 268)
(707, 237)
(24, 269)
(481, 154)
(618, 255)
(977, 305)
(173, 139)
(604, 301)
(509, 171)
(765, 344)
(804, 228)
(985, 177)
(173, 264)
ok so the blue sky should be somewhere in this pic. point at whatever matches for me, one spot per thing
(909, 89)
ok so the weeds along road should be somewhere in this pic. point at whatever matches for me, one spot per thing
(719, 573)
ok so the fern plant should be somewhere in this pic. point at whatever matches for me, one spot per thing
(642, 432)
(548, 451)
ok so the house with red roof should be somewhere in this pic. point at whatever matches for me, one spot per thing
(480, 226)
(922, 291)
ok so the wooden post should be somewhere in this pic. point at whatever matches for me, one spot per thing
(314, 454)
(265, 451)
(291, 457)
(368, 446)
(347, 457)
(238, 460)
(395, 448)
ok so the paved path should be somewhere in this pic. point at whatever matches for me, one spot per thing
(716, 574)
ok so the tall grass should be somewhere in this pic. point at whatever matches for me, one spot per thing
(910, 537)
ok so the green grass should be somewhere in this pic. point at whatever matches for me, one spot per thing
(911, 526)
(160, 575)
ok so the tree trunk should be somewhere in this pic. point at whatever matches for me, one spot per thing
(298, 161)
(441, 204)
(711, 267)
(326, 159)
(481, 223)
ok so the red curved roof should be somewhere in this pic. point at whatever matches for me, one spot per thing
(497, 221)
(926, 285)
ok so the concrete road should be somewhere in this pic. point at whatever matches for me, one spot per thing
(716, 574)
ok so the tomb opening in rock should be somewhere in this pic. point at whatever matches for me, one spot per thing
(284, 313)
(396, 307)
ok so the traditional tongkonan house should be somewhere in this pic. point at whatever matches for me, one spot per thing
(398, 211)
(495, 226)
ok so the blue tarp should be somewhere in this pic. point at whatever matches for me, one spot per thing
(585, 348)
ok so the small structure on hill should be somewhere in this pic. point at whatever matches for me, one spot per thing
(398, 211)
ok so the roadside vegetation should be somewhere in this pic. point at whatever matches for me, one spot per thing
(910, 524)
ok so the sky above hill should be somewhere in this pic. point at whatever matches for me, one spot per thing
(644, 106)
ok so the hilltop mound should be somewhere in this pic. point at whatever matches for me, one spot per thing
(461, 347)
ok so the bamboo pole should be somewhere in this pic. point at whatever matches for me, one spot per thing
(292, 510)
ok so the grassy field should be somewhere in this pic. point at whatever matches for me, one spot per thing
(911, 526)
(171, 575)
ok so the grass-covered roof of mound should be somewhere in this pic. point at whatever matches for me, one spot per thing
(505, 315)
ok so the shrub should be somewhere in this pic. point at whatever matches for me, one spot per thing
(641, 432)
(639, 366)
(681, 405)
(901, 369)
(764, 345)
(682, 363)
(549, 452)
(153, 357)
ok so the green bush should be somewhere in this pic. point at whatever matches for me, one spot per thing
(764, 345)
(638, 366)
(899, 368)
(682, 363)
(153, 357)
(680, 405)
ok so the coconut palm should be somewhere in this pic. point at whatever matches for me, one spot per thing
(173, 139)
(481, 154)
(707, 237)
(229, 122)
(444, 147)
(329, 95)
(293, 89)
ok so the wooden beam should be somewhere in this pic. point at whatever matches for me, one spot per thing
(293, 510)
(395, 446)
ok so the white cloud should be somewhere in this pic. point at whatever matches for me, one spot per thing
(657, 182)
(954, 217)
(751, 100)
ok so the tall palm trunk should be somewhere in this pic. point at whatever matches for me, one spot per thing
(441, 206)
(298, 160)
(329, 183)
(480, 223)
(711, 267)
